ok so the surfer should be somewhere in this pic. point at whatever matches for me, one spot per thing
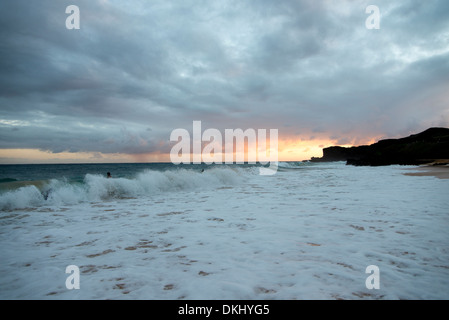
(109, 175)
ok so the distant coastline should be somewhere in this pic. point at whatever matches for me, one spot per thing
(428, 147)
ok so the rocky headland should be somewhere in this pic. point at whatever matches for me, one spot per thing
(428, 147)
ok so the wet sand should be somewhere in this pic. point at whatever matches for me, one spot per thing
(441, 172)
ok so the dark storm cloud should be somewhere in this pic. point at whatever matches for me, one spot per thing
(304, 67)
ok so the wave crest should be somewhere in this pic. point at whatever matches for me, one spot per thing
(97, 187)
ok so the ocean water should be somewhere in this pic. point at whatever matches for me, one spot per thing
(160, 231)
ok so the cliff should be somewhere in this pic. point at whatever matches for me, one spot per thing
(425, 147)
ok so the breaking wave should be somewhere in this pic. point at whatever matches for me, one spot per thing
(97, 187)
(292, 165)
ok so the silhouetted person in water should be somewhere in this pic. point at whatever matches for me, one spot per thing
(46, 193)
(109, 175)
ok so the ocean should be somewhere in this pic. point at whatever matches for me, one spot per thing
(160, 231)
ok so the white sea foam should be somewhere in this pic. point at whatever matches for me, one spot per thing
(225, 234)
(28, 196)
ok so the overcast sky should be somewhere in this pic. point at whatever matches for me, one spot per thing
(136, 70)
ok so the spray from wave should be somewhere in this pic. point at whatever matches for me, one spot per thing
(99, 188)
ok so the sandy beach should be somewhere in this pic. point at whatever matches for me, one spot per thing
(438, 171)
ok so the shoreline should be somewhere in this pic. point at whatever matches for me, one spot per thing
(438, 171)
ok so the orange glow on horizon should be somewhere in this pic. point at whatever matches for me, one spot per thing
(290, 149)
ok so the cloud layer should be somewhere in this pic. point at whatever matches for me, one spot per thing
(136, 70)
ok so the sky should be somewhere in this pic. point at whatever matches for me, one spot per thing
(114, 89)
